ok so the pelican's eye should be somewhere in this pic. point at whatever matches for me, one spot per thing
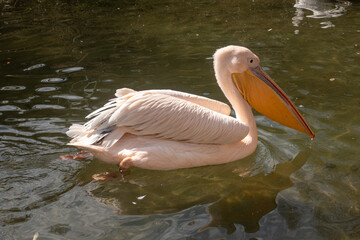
(253, 62)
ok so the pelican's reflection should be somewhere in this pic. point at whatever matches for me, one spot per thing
(254, 197)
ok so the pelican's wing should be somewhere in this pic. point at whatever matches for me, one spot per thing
(211, 104)
(159, 115)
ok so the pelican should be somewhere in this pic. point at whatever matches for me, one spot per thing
(166, 129)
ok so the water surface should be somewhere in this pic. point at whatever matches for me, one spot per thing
(61, 60)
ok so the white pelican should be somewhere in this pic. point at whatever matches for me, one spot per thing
(165, 129)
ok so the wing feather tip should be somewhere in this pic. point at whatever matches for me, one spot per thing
(123, 91)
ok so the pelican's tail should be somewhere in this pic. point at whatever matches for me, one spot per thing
(96, 143)
(76, 130)
(89, 139)
(99, 134)
(82, 138)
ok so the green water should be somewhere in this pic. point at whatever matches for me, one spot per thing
(60, 60)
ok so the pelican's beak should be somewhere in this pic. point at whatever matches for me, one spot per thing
(263, 94)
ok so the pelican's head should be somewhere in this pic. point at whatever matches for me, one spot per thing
(258, 89)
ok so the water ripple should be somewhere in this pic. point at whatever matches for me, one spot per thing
(47, 89)
(36, 66)
(31, 175)
(13, 88)
(37, 187)
(53, 80)
(6, 108)
(68, 97)
(47, 106)
(70, 70)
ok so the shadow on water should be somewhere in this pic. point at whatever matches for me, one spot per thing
(240, 198)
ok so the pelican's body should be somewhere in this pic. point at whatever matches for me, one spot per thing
(165, 129)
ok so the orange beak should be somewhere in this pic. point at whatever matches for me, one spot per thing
(263, 94)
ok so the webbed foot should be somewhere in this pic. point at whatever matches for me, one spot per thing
(78, 156)
(108, 176)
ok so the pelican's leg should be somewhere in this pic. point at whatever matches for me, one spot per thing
(124, 166)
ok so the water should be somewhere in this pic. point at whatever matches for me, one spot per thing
(61, 60)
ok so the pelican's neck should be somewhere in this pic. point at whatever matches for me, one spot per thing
(241, 107)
